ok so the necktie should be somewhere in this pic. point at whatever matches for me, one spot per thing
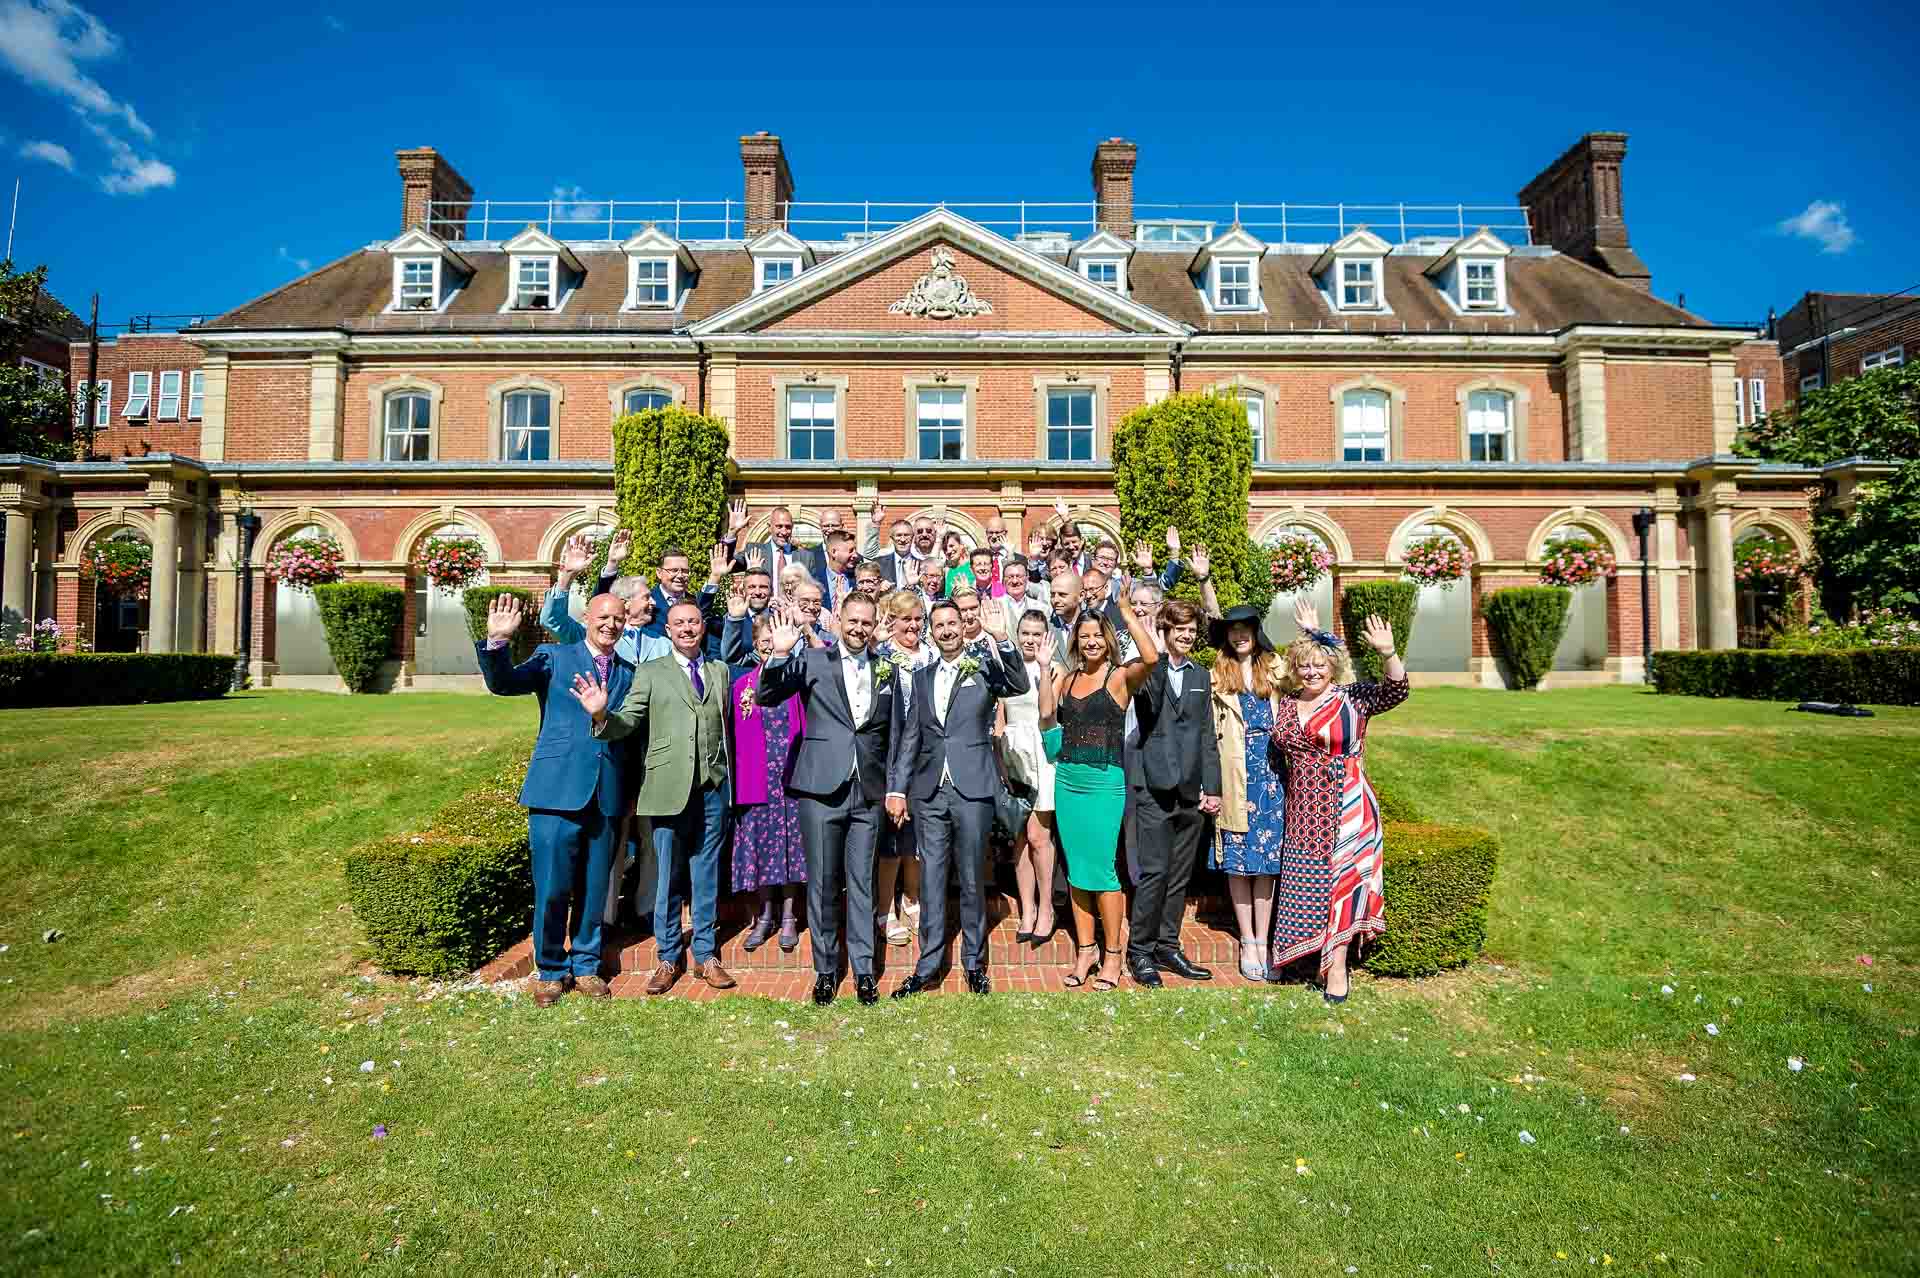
(603, 666)
(699, 684)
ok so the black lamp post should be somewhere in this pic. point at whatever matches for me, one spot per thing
(1642, 525)
(249, 526)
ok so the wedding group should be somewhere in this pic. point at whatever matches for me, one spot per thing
(853, 730)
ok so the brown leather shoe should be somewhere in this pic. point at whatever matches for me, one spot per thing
(547, 993)
(713, 974)
(592, 987)
(664, 976)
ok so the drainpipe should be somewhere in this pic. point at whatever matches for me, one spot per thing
(249, 526)
(700, 349)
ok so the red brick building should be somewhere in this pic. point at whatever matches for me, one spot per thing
(1828, 337)
(1501, 376)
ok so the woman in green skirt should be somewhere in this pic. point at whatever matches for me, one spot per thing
(1089, 780)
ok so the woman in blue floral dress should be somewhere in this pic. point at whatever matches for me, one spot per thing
(1252, 823)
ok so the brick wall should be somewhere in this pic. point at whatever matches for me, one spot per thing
(152, 353)
(1845, 353)
(1760, 361)
(1659, 410)
(1017, 305)
(267, 409)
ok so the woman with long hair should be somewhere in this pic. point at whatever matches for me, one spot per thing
(1090, 781)
(954, 547)
(896, 863)
(1331, 895)
(1252, 821)
(1023, 754)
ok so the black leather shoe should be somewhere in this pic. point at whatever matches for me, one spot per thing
(867, 989)
(1182, 966)
(823, 990)
(1145, 974)
(977, 980)
(914, 984)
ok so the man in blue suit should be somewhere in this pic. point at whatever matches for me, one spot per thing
(573, 793)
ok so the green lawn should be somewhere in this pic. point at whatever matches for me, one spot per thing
(193, 1074)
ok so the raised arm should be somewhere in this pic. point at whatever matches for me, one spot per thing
(1048, 693)
(615, 724)
(785, 673)
(497, 671)
(558, 621)
(1202, 568)
(1135, 672)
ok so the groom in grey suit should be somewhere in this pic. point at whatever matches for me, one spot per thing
(840, 778)
(943, 762)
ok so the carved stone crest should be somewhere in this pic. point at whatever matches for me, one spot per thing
(941, 293)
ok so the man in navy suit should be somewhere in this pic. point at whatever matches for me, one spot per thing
(781, 550)
(573, 793)
(942, 760)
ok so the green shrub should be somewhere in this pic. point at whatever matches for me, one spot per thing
(1395, 806)
(670, 475)
(1393, 600)
(530, 635)
(112, 678)
(361, 620)
(1525, 624)
(1862, 676)
(1438, 879)
(440, 904)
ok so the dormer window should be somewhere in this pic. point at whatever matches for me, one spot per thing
(659, 270)
(1105, 274)
(777, 258)
(1101, 259)
(1229, 271)
(426, 273)
(652, 281)
(1483, 283)
(1359, 286)
(533, 284)
(1472, 273)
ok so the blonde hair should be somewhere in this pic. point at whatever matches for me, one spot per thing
(1106, 633)
(902, 603)
(1300, 651)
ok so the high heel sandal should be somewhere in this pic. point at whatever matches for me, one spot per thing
(1251, 965)
(1102, 984)
(1074, 980)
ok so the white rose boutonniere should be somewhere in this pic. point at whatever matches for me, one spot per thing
(882, 671)
(967, 666)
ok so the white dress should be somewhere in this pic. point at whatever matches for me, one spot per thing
(1020, 748)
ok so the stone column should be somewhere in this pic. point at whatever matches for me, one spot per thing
(16, 583)
(325, 410)
(163, 613)
(46, 536)
(225, 584)
(1722, 627)
(193, 581)
(1666, 567)
(1587, 406)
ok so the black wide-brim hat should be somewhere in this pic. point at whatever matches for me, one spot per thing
(1217, 629)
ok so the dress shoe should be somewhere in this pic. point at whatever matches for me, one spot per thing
(665, 976)
(868, 990)
(1145, 973)
(823, 990)
(592, 987)
(547, 993)
(1182, 966)
(713, 974)
(977, 980)
(914, 984)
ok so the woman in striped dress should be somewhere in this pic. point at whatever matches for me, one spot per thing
(1330, 876)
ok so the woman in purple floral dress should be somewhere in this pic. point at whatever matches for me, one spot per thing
(768, 857)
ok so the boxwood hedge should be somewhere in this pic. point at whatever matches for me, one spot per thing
(111, 678)
(1863, 676)
(1438, 879)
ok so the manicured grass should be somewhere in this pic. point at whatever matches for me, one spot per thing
(182, 1072)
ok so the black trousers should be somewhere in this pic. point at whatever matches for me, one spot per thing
(1168, 829)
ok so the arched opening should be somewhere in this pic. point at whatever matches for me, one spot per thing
(299, 639)
(442, 645)
(1442, 639)
(1279, 621)
(1583, 645)
(1762, 604)
(120, 621)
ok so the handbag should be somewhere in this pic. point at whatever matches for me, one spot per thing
(1012, 805)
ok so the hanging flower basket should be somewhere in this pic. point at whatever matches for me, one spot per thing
(1766, 562)
(1436, 561)
(1577, 561)
(301, 563)
(453, 562)
(1297, 563)
(121, 566)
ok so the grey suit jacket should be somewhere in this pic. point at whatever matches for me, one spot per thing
(962, 747)
(834, 746)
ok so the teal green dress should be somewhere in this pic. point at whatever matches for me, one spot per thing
(1089, 787)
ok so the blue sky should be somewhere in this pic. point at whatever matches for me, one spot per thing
(187, 159)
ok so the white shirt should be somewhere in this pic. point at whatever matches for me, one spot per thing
(1177, 676)
(944, 680)
(857, 670)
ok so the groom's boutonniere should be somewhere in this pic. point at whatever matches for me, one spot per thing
(967, 666)
(882, 671)
(747, 702)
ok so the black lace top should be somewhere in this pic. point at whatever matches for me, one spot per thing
(1092, 730)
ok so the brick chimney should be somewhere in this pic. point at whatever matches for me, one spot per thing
(769, 182)
(426, 178)
(1113, 185)
(1575, 206)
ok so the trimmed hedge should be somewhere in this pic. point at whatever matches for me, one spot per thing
(1525, 624)
(1393, 600)
(478, 599)
(444, 901)
(112, 678)
(1438, 879)
(1395, 806)
(361, 620)
(1862, 676)
(670, 475)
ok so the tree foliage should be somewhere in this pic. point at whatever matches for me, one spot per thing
(1526, 623)
(1868, 556)
(669, 482)
(361, 621)
(36, 417)
(1187, 463)
(1393, 600)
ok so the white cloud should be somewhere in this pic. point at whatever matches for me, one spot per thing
(45, 43)
(1825, 223)
(571, 205)
(303, 264)
(333, 23)
(52, 152)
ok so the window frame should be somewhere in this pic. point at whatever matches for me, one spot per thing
(527, 395)
(1372, 284)
(497, 416)
(761, 283)
(102, 403)
(961, 424)
(835, 393)
(140, 395)
(671, 284)
(1496, 282)
(1069, 395)
(1251, 265)
(1891, 357)
(377, 396)
(548, 262)
(1396, 416)
(1739, 401)
(388, 434)
(163, 397)
(1143, 231)
(1117, 265)
(1506, 431)
(1812, 382)
(1350, 399)
(1756, 397)
(196, 394)
(436, 297)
